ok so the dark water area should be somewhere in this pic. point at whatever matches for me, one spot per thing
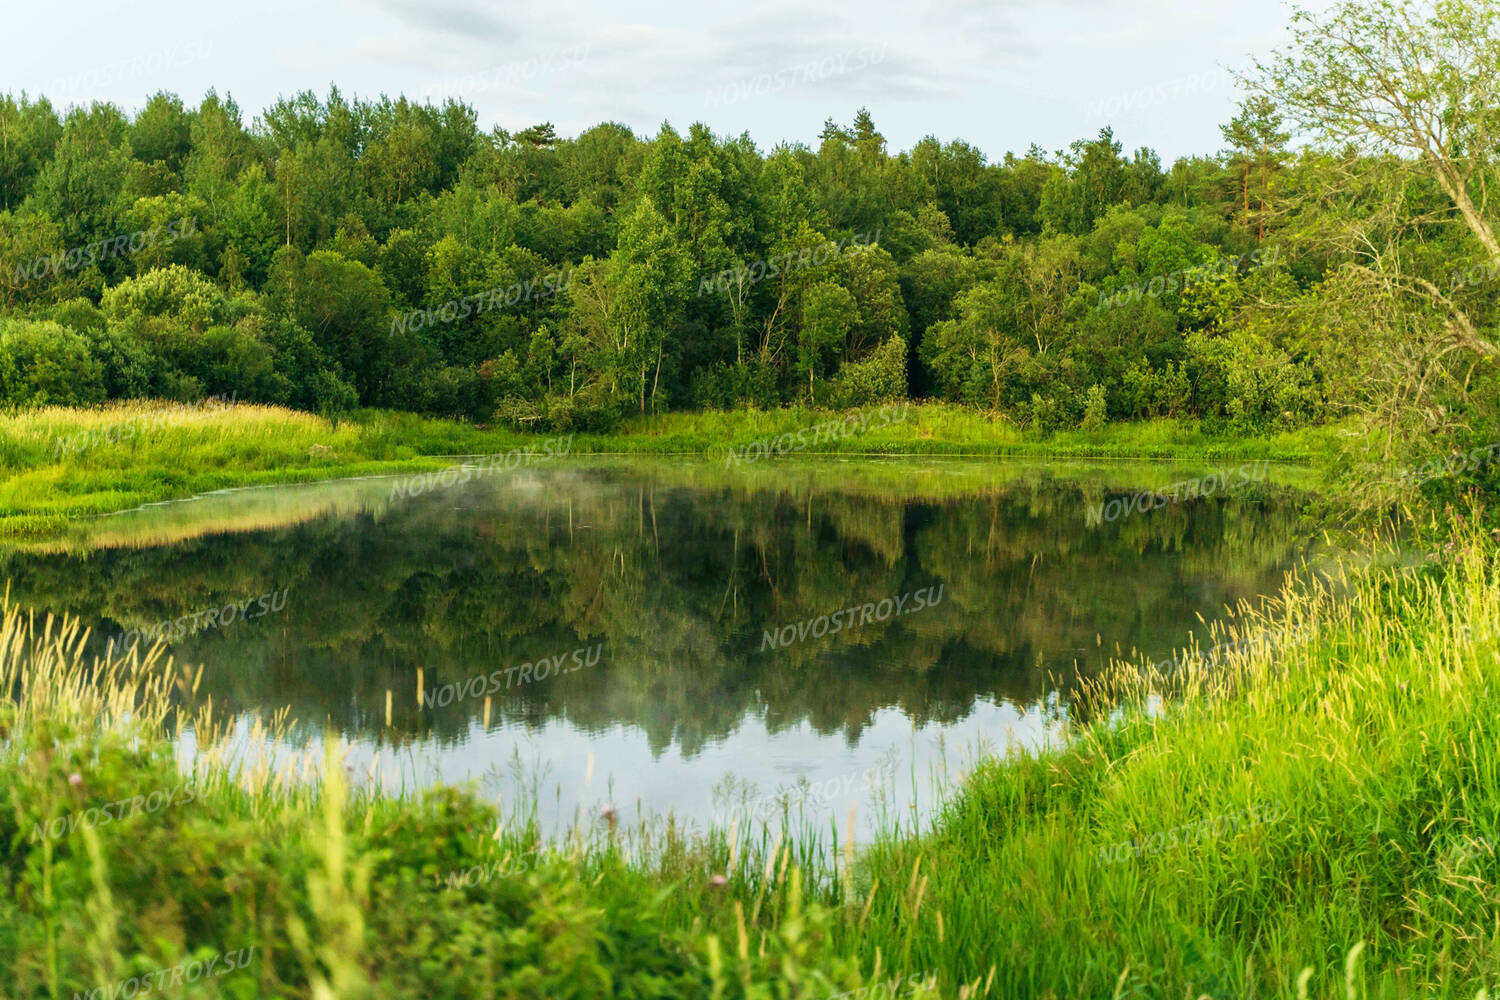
(669, 636)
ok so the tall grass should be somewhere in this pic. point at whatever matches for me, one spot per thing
(134, 453)
(1318, 806)
(948, 429)
(335, 890)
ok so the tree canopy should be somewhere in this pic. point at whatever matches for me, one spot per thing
(389, 253)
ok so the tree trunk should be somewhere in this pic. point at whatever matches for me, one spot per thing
(1453, 184)
(656, 379)
(1260, 233)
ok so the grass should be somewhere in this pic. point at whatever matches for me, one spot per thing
(942, 429)
(1314, 814)
(927, 480)
(129, 454)
(332, 892)
(161, 454)
(1329, 795)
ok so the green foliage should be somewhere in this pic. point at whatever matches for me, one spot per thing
(32, 258)
(627, 273)
(1155, 392)
(1241, 377)
(879, 378)
(826, 313)
(176, 295)
(346, 309)
(726, 387)
(593, 410)
(46, 364)
(29, 130)
(1095, 409)
(86, 184)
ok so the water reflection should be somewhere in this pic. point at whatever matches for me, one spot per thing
(647, 589)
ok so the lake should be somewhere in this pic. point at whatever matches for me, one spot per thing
(670, 636)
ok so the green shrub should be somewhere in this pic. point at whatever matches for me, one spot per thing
(1094, 409)
(1243, 378)
(178, 294)
(594, 409)
(731, 386)
(44, 363)
(879, 378)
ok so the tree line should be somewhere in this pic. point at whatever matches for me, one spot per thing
(335, 253)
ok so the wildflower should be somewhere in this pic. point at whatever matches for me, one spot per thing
(75, 779)
(718, 881)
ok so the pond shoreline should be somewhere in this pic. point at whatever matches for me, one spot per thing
(248, 446)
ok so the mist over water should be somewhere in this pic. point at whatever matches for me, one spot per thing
(672, 636)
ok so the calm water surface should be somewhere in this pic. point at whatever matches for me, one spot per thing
(712, 639)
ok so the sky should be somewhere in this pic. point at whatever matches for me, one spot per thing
(999, 75)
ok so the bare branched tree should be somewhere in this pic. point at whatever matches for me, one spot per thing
(1400, 104)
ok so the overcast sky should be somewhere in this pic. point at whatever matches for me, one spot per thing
(999, 75)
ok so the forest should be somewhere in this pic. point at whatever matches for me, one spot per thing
(332, 253)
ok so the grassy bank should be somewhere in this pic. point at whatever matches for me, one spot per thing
(64, 463)
(1315, 812)
(908, 479)
(1320, 797)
